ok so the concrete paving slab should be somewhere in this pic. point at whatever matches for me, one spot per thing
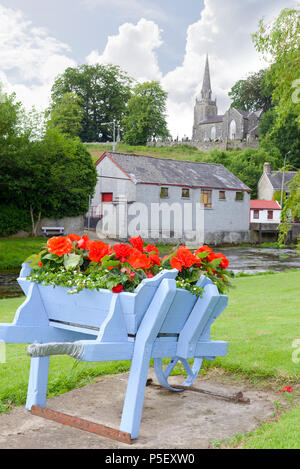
(186, 420)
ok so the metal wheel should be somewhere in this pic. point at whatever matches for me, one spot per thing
(164, 373)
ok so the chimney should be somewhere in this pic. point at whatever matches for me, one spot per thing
(267, 167)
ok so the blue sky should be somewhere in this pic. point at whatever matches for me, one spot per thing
(166, 40)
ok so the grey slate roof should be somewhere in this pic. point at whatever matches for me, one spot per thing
(165, 171)
(275, 177)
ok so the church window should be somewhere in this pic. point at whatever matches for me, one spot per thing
(232, 130)
(206, 198)
(213, 133)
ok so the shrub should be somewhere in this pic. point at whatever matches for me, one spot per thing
(13, 219)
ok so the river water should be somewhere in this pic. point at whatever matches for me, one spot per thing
(248, 260)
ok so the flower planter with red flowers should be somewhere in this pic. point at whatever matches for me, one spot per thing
(77, 277)
(97, 302)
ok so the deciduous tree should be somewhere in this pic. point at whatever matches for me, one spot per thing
(252, 93)
(145, 114)
(279, 43)
(66, 115)
(103, 91)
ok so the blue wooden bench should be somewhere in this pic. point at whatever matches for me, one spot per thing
(157, 321)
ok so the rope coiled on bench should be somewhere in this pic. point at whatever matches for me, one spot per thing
(74, 349)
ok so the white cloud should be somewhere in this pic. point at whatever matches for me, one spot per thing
(31, 56)
(224, 32)
(133, 49)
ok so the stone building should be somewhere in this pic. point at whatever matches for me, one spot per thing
(209, 126)
(273, 182)
(170, 201)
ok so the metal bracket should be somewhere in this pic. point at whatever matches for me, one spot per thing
(237, 398)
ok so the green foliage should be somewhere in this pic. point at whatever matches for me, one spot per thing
(13, 219)
(290, 210)
(51, 177)
(70, 176)
(285, 138)
(66, 115)
(280, 41)
(103, 91)
(145, 114)
(252, 94)
(247, 164)
(9, 118)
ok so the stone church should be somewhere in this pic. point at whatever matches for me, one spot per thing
(209, 126)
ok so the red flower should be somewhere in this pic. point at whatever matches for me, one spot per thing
(218, 255)
(84, 243)
(154, 259)
(288, 389)
(98, 249)
(122, 251)
(59, 245)
(40, 264)
(151, 248)
(117, 288)
(138, 260)
(203, 248)
(73, 237)
(183, 258)
(137, 243)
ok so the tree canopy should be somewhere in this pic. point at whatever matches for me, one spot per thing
(246, 164)
(51, 176)
(279, 43)
(102, 91)
(66, 115)
(252, 93)
(280, 125)
(145, 114)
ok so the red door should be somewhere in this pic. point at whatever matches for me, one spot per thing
(107, 196)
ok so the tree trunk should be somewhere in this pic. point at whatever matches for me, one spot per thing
(34, 223)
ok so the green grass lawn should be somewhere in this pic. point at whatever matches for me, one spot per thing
(284, 434)
(65, 374)
(260, 324)
(13, 251)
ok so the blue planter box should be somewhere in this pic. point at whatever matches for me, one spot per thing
(157, 321)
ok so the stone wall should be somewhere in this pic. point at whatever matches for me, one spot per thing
(70, 224)
(209, 146)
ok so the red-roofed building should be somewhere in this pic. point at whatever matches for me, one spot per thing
(264, 211)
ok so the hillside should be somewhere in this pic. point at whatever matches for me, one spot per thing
(180, 152)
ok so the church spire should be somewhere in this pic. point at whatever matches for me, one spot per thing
(206, 86)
